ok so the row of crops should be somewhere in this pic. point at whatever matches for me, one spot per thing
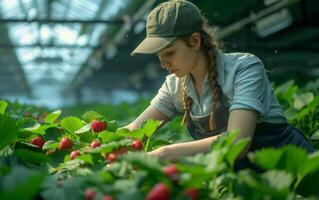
(80, 153)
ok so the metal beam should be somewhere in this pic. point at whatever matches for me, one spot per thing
(64, 21)
(7, 45)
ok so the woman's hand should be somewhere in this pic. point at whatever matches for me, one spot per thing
(161, 153)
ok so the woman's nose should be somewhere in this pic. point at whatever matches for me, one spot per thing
(165, 64)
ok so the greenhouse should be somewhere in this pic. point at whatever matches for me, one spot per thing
(159, 99)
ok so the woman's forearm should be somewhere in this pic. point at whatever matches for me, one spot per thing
(179, 150)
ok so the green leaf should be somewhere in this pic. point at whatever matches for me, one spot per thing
(107, 136)
(144, 162)
(84, 129)
(86, 158)
(235, 150)
(71, 124)
(89, 116)
(70, 165)
(68, 189)
(137, 133)
(3, 106)
(31, 157)
(21, 183)
(8, 130)
(302, 100)
(278, 180)
(151, 126)
(50, 144)
(314, 104)
(112, 126)
(50, 118)
(292, 159)
(315, 135)
(266, 158)
(39, 129)
(225, 140)
(310, 165)
(110, 146)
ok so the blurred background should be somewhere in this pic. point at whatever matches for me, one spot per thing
(57, 53)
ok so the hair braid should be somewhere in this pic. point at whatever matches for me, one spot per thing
(209, 44)
(187, 101)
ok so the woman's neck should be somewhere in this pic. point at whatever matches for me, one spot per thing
(199, 72)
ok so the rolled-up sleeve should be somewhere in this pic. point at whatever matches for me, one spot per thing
(163, 101)
(250, 87)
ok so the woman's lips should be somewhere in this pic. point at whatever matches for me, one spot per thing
(173, 70)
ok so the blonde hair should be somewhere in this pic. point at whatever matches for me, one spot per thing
(209, 44)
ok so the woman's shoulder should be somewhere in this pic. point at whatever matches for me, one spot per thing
(238, 60)
(240, 57)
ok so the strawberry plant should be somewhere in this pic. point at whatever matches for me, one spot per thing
(54, 156)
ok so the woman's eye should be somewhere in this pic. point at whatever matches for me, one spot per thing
(170, 53)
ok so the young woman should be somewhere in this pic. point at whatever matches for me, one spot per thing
(214, 91)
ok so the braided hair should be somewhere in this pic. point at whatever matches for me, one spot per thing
(209, 45)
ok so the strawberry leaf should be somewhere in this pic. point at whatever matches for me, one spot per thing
(3, 106)
(90, 116)
(150, 127)
(50, 118)
(84, 129)
(71, 124)
(8, 130)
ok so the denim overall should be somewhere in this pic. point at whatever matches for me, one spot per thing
(265, 135)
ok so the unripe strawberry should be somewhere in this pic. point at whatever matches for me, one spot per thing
(36, 117)
(49, 152)
(65, 143)
(95, 144)
(137, 145)
(159, 192)
(89, 194)
(111, 157)
(107, 197)
(26, 114)
(170, 170)
(98, 126)
(191, 193)
(38, 141)
(74, 154)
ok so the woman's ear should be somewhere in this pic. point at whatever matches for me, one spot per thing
(196, 40)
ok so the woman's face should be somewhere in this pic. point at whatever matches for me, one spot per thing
(178, 58)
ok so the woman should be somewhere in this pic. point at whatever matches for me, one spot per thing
(214, 91)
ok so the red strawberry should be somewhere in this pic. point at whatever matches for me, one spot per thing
(111, 157)
(95, 144)
(107, 197)
(159, 192)
(89, 194)
(191, 193)
(137, 145)
(171, 171)
(38, 141)
(65, 143)
(98, 126)
(74, 154)
(121, 151)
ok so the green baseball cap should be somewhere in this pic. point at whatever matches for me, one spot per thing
(166, 22)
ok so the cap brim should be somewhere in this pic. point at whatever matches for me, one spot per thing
(152, 45)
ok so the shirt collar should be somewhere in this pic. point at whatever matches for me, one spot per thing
(189, 86)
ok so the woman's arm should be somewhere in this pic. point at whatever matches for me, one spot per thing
(149, 113)
(243, 119)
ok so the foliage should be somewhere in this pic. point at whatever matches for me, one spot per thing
(115, 168)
